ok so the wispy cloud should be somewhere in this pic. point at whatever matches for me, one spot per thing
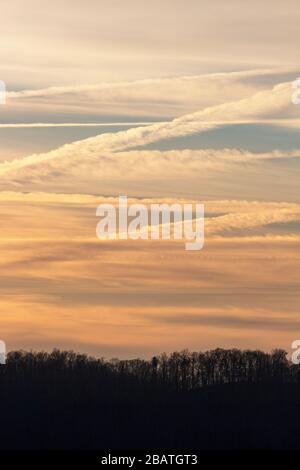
(108, 160)
(157, 98)
(36, 125)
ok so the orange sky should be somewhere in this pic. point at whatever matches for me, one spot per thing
(61, 287)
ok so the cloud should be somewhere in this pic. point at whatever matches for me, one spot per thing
(37, 125)
(74, 159)
(231, 318)
(114, 163)
(62, 286)
(163, 97)
(245, 222)
(262, 106)
(94, 295)
(235, 218)
(269, 104)
(198, 174)
(139, 40)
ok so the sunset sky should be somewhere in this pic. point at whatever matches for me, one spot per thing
(162, 101)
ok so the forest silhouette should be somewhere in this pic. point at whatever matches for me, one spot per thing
(219, 399)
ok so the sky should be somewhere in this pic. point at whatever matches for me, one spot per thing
(162, 102)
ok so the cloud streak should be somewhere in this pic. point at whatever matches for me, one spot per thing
(171, 97)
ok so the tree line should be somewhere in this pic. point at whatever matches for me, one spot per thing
(182, 370)
(183, 400)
